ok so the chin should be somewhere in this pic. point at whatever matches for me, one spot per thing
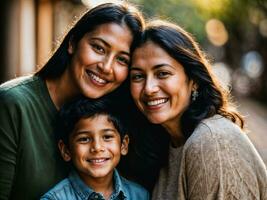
(93, 95)
(100, 175)
(156, 120)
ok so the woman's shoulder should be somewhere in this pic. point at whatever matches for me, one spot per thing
(18, 88)
(216, 128)
(17, 83)
(220, 157)
(216, 121)
(218, 137)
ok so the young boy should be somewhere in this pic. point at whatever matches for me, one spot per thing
(93, 139)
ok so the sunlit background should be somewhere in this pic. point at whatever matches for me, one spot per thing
(233, 33)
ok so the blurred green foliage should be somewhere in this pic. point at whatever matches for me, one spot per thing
(193, 14)
(182, 12)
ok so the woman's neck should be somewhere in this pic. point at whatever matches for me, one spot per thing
(175, 132)
(61, 89)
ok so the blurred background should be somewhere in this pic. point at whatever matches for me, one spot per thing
(233, 33)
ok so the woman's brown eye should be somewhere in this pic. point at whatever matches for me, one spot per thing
(163, 74)
(123, 60)
(137, 77)
(98, 48)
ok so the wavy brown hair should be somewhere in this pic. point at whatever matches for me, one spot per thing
(213, 98)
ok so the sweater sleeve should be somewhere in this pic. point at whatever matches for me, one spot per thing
(9, 126)
(221, 163)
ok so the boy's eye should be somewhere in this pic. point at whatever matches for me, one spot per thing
(123, 60)
(136, 77)
(98, 48)
(108, 137)
(84, 139)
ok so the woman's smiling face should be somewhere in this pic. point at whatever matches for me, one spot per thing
(159, 85)
(99, 62)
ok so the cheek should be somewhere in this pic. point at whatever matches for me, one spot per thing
(79, 151)
(182, 98)
(121, 74)
(76, 67)
(85, 58)
(135, 91)
(81, 58)
(115, 147)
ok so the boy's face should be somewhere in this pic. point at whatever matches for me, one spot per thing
(95, 148)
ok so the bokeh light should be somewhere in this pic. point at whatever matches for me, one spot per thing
(252, 64)
(216, 32)
(241, 83)
(263, 27)
(255, 16)
(212, 5)
(223, 72)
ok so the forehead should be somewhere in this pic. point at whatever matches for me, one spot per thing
(151, 54)
(114, 27)
(114, 34)
(148, 49)
(99, 121)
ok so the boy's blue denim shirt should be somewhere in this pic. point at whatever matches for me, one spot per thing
(73, 188)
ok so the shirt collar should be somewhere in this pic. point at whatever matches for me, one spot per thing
(118, 186)
(79, 186)
(85, 191)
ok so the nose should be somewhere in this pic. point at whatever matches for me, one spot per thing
(96, 146)
(151, 87)
(105, 65)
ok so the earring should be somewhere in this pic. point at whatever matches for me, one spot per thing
(194, 95)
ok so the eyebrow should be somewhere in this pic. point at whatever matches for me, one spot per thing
(109, 129)
(154, 67)
(89, 131)
(109, 46)
(79, 132)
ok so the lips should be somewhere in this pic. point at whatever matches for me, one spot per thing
(97, 160)
(96, 79)
(156, 102)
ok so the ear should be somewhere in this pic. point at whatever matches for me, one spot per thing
(71, 46)
(124, 145)
(194, 85)
(65, 153)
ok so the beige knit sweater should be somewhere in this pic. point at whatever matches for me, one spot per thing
(217, 162)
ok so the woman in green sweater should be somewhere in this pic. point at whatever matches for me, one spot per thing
(93, 61)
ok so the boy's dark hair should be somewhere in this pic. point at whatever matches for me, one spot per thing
(83, 107)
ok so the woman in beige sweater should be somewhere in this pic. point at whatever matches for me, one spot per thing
(210, 157)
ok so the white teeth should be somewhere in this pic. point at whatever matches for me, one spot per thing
(157, 102)
(97, 160)
(97, 78)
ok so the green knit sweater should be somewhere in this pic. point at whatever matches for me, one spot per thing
(29, 159)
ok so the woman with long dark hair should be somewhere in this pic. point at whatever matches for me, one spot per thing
(92, 61)
(210, 156)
